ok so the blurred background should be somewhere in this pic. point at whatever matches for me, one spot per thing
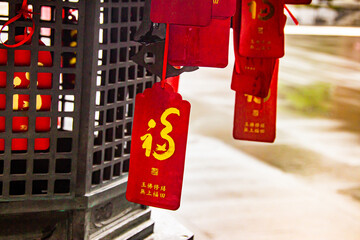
(307, 184)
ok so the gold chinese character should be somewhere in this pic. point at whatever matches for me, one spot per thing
(255, 113)
(143, 185)
(251, 98)
(162, 195)
(149, 186)
(262, 130)
(262, 125)
(257, 125)
(252, 6)
(251, 124)
(147, 138)
(156, 187)
(163, 188)
(149, 193)
(155, 194)
(246, 129)
(155, 171)
(256, 130)
(269, 10)
(142, 191)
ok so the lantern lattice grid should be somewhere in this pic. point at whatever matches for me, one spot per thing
(84, 157)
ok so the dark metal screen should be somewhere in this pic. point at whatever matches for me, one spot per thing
(50, 172)
(118, 80)
(92, 92)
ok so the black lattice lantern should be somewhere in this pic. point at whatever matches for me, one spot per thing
(66, 107)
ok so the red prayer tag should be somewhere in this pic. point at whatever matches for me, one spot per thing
(236, 33)
(2, 101)
(21, 144)
(20, 124)
(43, 102)
(297, 1)
(21, 79)
(2, 124)
(20, 102)
(250, 75)
(255, 118)
(42, 124)
(42, 144)
(223, 8)
(18, 144)
(2, 79)
(253, 75)
(183, 12)
(158, 148)
(200, 46)
(262, 28)
(23, 58)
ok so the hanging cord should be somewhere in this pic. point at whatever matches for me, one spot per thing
(292, 16)
(166, 51)
(24, 12)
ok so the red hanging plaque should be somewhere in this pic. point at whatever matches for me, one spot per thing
(262, 28)
(158, 148)
(2, 79)
(223, 9)
(42, 124)
(236, 30)
(250, 75)
(43, 102)
(21, 79)
(23, 58)
(183, 12)
(200, 46)
(20, 102)
(255, 118)
(42, 144)
(20, 124)
(2, 124)
(21, 144)
(2, 101)
(253, 75)
(18, 144)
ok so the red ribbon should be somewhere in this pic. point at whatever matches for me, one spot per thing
(24, 12)
(166, 51)
(292, 16)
